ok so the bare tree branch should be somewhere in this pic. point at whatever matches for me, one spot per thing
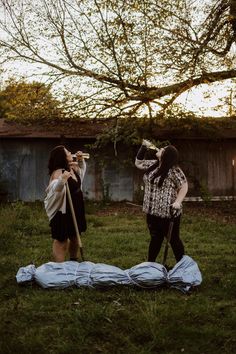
(122, 55)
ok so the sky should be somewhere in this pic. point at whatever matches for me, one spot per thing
(202, 100)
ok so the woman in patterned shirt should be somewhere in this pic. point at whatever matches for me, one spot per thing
(165, 187)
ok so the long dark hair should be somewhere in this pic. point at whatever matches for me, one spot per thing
(57, 159)
(169, 158)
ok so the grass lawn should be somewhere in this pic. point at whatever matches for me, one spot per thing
(120, 319)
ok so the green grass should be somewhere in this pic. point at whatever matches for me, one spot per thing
(120, 319)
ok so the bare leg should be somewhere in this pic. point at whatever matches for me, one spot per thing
(73, 248)
(59, 250)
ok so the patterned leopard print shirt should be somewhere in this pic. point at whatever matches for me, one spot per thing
(157, 200)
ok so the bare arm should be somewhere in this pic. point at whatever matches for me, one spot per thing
(140, 161)
(79, 166)
(180, 196)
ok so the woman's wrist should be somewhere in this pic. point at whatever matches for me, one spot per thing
(176, 205)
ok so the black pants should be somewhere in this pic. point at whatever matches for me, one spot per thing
(158, 228)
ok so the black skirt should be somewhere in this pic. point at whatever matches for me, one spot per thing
(62, 225)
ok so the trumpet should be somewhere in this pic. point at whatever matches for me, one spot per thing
(85, 155)
(149, 145)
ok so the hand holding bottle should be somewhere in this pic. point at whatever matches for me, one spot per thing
(149, 145)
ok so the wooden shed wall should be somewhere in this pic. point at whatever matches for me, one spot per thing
(208, 164)
(23, 169)
(24, 174)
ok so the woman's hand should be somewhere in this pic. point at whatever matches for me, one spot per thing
(65, 175)
(176, 205)
(79, 155)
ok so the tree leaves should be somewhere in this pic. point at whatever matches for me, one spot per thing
(29, 102)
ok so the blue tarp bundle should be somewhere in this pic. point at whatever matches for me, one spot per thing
(183, 276)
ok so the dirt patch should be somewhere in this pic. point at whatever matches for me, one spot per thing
(120, 208)
(224, 211)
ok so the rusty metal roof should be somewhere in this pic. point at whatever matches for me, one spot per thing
(81, 129)
(90, 129)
